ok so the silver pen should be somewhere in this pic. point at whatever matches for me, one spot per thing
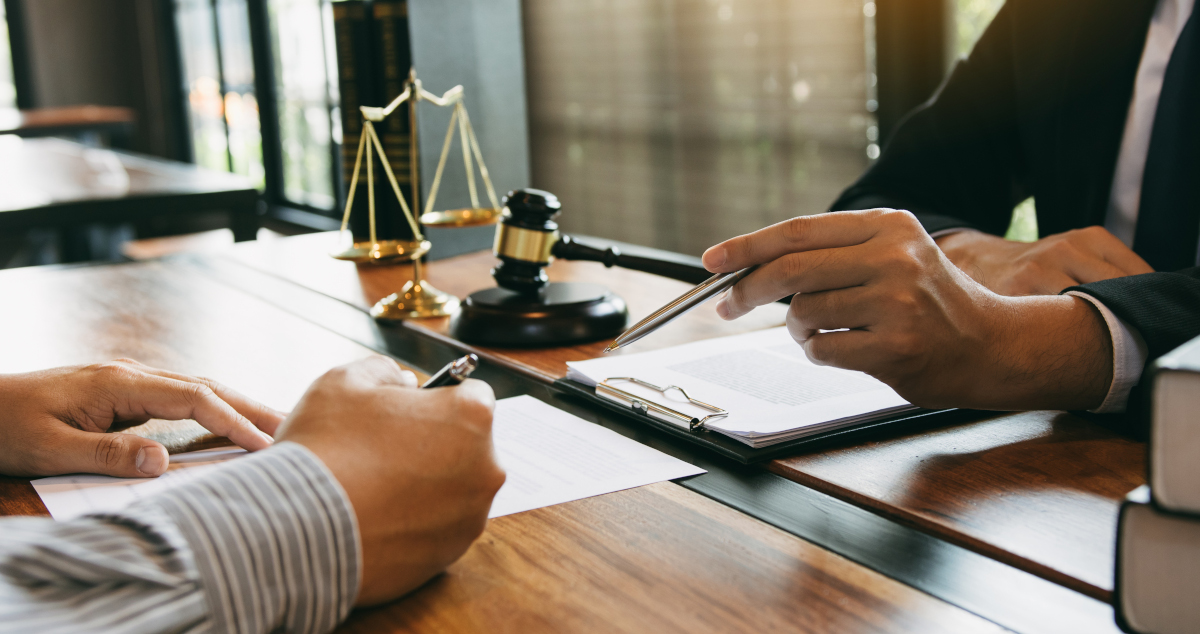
(708, 289)
(453, 373)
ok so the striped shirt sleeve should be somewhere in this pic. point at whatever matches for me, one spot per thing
(267, 544)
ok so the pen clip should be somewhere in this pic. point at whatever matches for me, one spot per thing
(657, 410)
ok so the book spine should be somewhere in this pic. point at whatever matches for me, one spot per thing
(391, 18)
(1172, 444)
(393, 50)
(352, 40)
(1139, 495)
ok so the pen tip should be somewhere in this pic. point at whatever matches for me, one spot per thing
(611, 347)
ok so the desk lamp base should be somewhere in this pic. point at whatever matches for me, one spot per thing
(560, 313)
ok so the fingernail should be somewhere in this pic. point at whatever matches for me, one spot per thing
(722, 309)
(715, 257)
(151, 461)
(265, 437)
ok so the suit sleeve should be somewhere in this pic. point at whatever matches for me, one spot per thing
(1163, 307)
(956, 160)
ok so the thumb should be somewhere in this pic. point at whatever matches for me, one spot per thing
(121, 455)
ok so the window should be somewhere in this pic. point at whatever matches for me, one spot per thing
(677, 125)
(218, 71)
(306, 89)
(285, 140)
(8, 90)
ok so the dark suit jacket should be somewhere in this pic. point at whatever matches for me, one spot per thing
(1038, 109)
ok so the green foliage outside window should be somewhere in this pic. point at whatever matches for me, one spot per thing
(971, 18)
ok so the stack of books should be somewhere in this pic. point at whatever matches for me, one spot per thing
(1158, 541)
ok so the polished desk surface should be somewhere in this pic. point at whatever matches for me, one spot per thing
(47, 172)
(657, 558)
(65, 120)
(1038, 491)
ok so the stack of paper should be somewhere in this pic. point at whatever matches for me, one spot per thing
(550, 456)
(772, 392)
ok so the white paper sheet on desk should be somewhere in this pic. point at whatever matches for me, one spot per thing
(770, 388)
(71, 496)
(550, 456)
(553, 457)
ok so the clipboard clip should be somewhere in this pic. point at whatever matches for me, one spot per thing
(655, 410)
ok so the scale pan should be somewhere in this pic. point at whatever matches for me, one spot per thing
(383, 252)
(468, 217)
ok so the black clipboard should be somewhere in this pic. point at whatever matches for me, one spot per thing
(745, 454)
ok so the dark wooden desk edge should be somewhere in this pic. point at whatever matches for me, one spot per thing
(994, 590)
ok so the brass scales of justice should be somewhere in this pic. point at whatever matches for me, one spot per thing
(417, 299)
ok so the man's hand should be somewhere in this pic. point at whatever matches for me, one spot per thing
(52, 421)
(417, 465)
(904, 314)
(1044, 267)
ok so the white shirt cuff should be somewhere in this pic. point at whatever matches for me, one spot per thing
(1129, 357)
(945, 232)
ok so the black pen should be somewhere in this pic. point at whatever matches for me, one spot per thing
(454, 372)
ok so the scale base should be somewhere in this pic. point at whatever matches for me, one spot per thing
(415, 301)
(561, 313)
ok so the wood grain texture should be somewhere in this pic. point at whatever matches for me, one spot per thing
(1039, 491)
(45, 172)
(169, 318)
(656, 559)
(17, 497)
(305, 260)
(80, 118)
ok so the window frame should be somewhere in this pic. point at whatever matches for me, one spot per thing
(14, 14)
(273, 194)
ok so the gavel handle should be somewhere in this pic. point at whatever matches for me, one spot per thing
(682, 268)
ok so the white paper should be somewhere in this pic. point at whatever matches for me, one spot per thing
(550, 456)
(553, 457)
(68, 497)
(763, 379)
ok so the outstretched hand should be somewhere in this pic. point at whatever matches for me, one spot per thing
(874, 293)
(54, 421)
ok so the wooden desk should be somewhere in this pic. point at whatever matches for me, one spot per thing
(1038, 491)
(56, 183)
(658, 558)
(68, 120)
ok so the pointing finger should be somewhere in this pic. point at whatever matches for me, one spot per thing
(807, 272)
(138, 394)
(265, 418)
(804, 233)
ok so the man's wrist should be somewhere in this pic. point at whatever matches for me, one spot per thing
(1051, 352)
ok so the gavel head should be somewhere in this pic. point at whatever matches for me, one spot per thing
(524, 239)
